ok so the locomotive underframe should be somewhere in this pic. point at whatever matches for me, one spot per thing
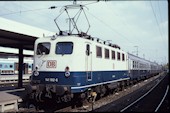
(47, 92)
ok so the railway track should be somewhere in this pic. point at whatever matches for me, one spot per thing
(130, 96)
(152, 96)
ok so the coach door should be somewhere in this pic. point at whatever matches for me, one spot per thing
(88, 62)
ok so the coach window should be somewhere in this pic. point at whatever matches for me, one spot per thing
(136, 64)
(118, 55)
(64, 48)
(11, 66)
(30, 66)
(123, 57)
(87, 49)
(106, 53)
(5, 66)
(133, 64)
(0, 65)
(113, 55)
(98, 51)
(43, 48)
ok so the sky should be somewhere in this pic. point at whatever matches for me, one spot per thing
(133, 25)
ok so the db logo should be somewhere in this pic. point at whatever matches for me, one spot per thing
(51, 64)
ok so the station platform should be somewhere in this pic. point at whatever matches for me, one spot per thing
(9, 102)
(10, 96)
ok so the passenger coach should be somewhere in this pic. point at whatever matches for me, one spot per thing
(140, 68)
(10, 66)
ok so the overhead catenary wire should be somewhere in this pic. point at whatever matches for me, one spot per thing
(157, 24)
(161, 20)
(39, 12)
(160, 14)
(36, 12)
(157, 21)
(114, 29)
(91, 3)
(30, 10)
(24, 11)
(125, 24)
(24, 7)
(33, 10)
(110, 27)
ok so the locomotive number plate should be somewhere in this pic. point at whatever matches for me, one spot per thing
(51, 64)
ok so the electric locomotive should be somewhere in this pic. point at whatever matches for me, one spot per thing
(69, 64)
(75, 65)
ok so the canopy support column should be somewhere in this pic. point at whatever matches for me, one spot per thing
(20, 68)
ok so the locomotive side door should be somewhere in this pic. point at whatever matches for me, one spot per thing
(88, 62)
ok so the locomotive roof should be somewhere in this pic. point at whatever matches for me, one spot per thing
(81, 36)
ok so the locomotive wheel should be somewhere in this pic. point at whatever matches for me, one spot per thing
(77, 101)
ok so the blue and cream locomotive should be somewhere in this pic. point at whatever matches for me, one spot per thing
(76, 64)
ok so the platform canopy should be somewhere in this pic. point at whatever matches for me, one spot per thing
(14, 34)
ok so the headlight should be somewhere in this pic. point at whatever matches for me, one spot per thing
(67, 72)
(36, 73)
